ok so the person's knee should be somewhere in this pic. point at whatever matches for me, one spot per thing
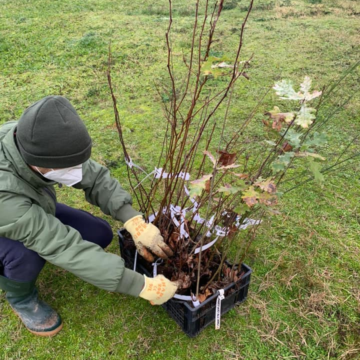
(106, 234)
(23, 265)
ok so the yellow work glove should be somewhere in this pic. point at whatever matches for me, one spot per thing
(147, 238)
(158, 289)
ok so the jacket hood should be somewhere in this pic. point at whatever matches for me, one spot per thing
(15, 160)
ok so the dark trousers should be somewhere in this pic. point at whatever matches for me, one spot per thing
(22, 264)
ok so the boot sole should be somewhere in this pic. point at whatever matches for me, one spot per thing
(47, 333)
(40, 333)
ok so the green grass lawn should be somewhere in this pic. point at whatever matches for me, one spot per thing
(304, 298)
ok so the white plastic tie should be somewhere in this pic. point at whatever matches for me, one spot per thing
(155, 265)
(177, 211)
(183, 232)
(218, 308)
(135, 260)
(194, 202)
(221, 231)
(205, 247)
(195, 302)
(198, 219)
(130, 164)
(183, 175)
(144, 179)
(159, 173)
(246, 223)
(209, 223)
(173, 217)
(193, 299)
(183, 297)
(151, 218)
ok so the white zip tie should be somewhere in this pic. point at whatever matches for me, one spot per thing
(151, 218)
(130, 164)
(176, 210)
(195, 301)
(205, 247)
(183, 175)
(135, 260)
(218, 309)
(183, 232)
(198, 219)
(144, 179)
(160, 174)
(209, 223)
(175, 221)
(155, 265)
(248, 222)
(183, 297)
(221, 231)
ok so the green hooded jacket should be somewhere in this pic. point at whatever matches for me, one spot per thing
(27, 214)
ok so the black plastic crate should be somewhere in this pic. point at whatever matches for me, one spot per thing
(193, 320)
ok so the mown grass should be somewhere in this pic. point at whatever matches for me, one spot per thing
(304, 300)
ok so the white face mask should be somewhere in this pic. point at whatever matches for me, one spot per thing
(67, 176)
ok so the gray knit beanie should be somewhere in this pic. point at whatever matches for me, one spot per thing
(50, 134)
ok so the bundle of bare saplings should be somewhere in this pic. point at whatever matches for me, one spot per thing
(220, 168)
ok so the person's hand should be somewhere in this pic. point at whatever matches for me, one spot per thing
(158, 290)
(147, 239)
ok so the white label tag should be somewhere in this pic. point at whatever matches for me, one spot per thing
(218, 309)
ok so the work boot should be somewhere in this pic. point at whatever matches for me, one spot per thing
(38, 317)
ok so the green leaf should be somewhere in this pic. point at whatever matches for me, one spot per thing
(278, 166)
(315, 139)
(282, 161)
(241, 209)
(286, 157)
(305, 116)
(293, 138)
(285, 90)
(272, 143)
(228, 189)
(314, 167)
(197, 186)
(307, 154)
